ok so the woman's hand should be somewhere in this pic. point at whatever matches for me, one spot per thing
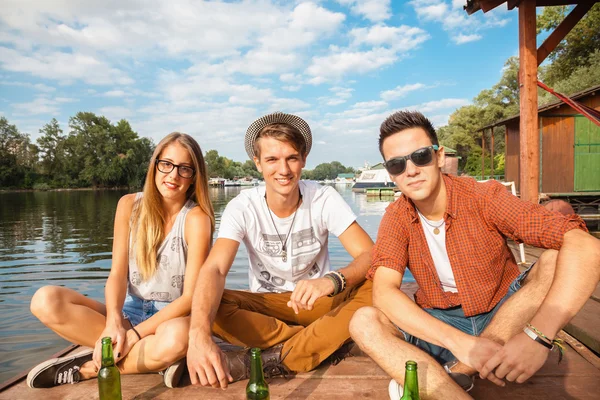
(117, 333)
(131, 338)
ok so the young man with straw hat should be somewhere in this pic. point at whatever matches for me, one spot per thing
(298, 307)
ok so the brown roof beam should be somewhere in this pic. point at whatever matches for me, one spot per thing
(562, 30)
(511, 4)
(550, 3)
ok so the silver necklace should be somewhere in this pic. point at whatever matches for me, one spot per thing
(283, 242)
(436, 228)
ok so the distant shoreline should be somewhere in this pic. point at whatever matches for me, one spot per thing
(62, 189)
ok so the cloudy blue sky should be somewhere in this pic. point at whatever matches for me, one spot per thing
(209, 68)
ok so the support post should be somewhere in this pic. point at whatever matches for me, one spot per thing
(492, 151)
(529, 174)
(482, 154)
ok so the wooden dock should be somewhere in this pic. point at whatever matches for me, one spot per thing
(577, 377)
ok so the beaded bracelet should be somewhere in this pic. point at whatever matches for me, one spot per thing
(336, 286)
(343, 280)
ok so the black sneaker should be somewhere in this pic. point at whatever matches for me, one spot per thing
(58, 371)
(463, 380)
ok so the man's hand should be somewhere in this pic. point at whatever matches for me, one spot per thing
(207, 363)
(308, 291)
(517, 361)
(475, 352)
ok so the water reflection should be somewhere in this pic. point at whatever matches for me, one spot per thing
(65, 238)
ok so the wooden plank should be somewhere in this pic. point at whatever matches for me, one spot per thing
(528, 128)
(19, 377)
(584, 326)
(581, 349)
(562, 30)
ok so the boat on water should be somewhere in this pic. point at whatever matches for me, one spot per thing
(374, 178)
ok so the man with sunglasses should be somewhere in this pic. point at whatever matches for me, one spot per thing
(474, 310)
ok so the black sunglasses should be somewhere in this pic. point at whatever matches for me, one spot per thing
(420, 157)
(166, 167)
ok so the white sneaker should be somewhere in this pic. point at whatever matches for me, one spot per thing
(395, 390)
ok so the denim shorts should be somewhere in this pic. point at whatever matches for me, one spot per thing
(456, 317)
(138, 310)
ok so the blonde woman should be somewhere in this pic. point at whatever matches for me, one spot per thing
(161, 238)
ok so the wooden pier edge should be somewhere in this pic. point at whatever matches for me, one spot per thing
(19, 377)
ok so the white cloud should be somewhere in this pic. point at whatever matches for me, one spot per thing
(292, 88)
(340, 96)
(401, 38)
(335, 65)
(461, 39)
(401, 91)
(373, 10)
(115, 93)
(115, 113)
(65, 67)
(461, 27)
(37, 86)
(40, 105)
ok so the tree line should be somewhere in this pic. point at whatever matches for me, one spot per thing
(99, 154)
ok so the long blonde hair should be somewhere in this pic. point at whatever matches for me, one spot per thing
(149, 217)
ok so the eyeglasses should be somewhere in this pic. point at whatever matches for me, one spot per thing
(166, 167)
(420, 157)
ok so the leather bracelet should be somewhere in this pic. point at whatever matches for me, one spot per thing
(537, 338)
(341, 278)
(136, 332)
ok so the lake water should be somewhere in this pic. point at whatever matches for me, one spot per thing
(65, 238)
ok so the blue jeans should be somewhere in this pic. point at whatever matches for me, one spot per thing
(456, 317)
(138, 310)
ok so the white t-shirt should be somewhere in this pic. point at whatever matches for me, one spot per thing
(437, 249)
(246, 219)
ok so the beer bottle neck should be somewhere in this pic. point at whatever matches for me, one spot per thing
(411, 384)
(256, 371)
(107, 354)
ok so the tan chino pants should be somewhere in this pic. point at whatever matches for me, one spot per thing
(264, 320)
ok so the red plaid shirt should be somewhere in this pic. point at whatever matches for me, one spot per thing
(479, 217)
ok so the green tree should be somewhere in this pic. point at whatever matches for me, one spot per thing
(17, 155)
(51, 148)
(575, 49)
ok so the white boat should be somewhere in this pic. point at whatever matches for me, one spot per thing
(374, 178)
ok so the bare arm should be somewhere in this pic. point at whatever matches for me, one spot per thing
(116, 284)
(197, 236)
(358, 244)
(576, 277)
(205, 360)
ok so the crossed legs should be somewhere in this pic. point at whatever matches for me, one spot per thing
(81, 320)
(377, 336)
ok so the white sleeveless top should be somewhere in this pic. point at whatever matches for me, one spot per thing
(167, 282)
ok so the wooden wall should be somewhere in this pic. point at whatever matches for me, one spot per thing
(558, 143)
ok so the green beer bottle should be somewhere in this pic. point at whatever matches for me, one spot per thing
(411, 382)
(109, 378)
(257, 388)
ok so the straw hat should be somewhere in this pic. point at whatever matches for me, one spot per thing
(276, 118)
